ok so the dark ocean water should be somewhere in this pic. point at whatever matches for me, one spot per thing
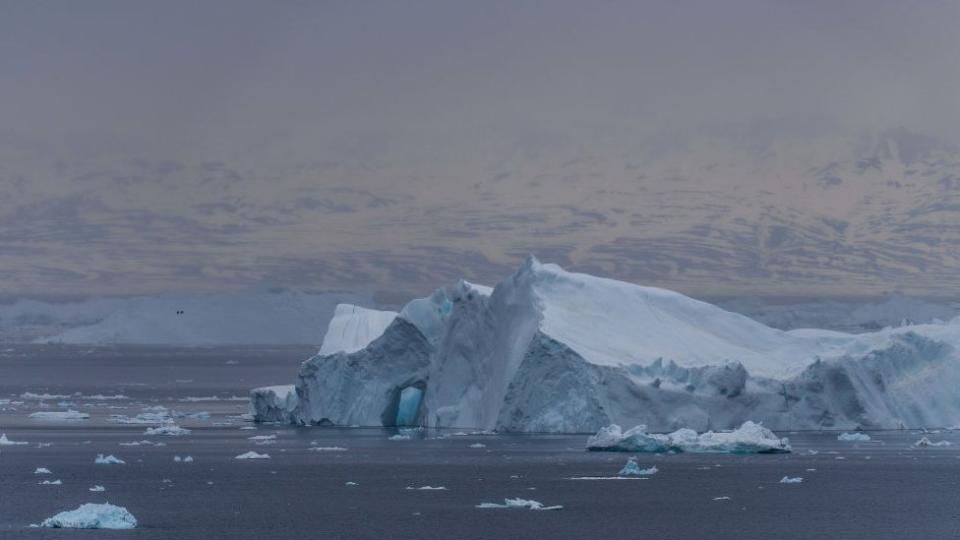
(884, 488)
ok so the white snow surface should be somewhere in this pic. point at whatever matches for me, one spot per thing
(353, 328)
(93, 516)
(551, 350)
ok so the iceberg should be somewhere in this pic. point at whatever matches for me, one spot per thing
(520, 503)
(168, 429)
(548, 350)
(853, 437)
(750, 438)
(108, 460)
(42, 470)
(353, 328)
(60, 415)
(925, 442)
(97, 489)
(4, 441)
(252, 455)
(633, 468)
(93, 516)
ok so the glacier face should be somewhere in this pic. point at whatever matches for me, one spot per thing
(549, 350)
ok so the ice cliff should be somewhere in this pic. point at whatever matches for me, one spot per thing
(550, 350)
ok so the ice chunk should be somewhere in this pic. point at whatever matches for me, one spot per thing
(327, 449)
(633, 468)
(186, 459)
(399, 437)
(924, 442)
(51, 483)
(428, 488)
(750, 438)
(169, 429)
(93, 516)
(60, 415)
(789, 480)
(478, 445)
(4, 441)
(42, 470)
(108, 460)
(252, 455)
(853, 437)
(351, 484)
(97, 489)
(261, 438)
(520, 503)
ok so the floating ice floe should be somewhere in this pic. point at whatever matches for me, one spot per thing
(327, 449)
(520, 503)
(140, 443)
(60, 415)
(351, 484)
(722, 498)
(853, 437)
(789, 480)
(633, 468)
(108, 460)
(924, 442)
(168, 429)
(4, 441)
(399, 437)
(101, 397)
(261, 438)
(606, 478)
(750, 438)
(43, 397)
(428, 488)
(97, 489)
(42, 470)
(185, 459)
(478, 445)
(50, 483)
(252, 455)
(93, 516)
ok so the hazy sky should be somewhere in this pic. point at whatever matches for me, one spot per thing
(150, 146)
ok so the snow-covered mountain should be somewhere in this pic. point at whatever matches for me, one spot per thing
(550, 350)
(281, 317)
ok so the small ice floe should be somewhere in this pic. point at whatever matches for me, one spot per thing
(50, 483)
(853, 437)
(925, 442)
(108, 460)
(69, 414)
(97, 489)
(185, 459)
(520, 503)
(93, 516)
(43, 397)
(199, 415)
(607, 478)
(789, 480)
(327, 449)
(138, 443)
(263, 439)
(42, 470)
(633, 468)
(351, 484)
(101, 397)
(427, 488)
(252, 455)
(399, 437)
(168, 429)
(478, 445)
(749, 438)
(722, 498)
(4, 441)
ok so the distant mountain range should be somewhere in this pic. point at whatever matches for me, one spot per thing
(732, 212)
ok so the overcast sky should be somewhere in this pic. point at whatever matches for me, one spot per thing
(280, 94)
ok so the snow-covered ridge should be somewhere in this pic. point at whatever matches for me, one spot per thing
(550, 350)
(284, 317)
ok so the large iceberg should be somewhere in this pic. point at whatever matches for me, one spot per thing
(556, 351)
(93, 516)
